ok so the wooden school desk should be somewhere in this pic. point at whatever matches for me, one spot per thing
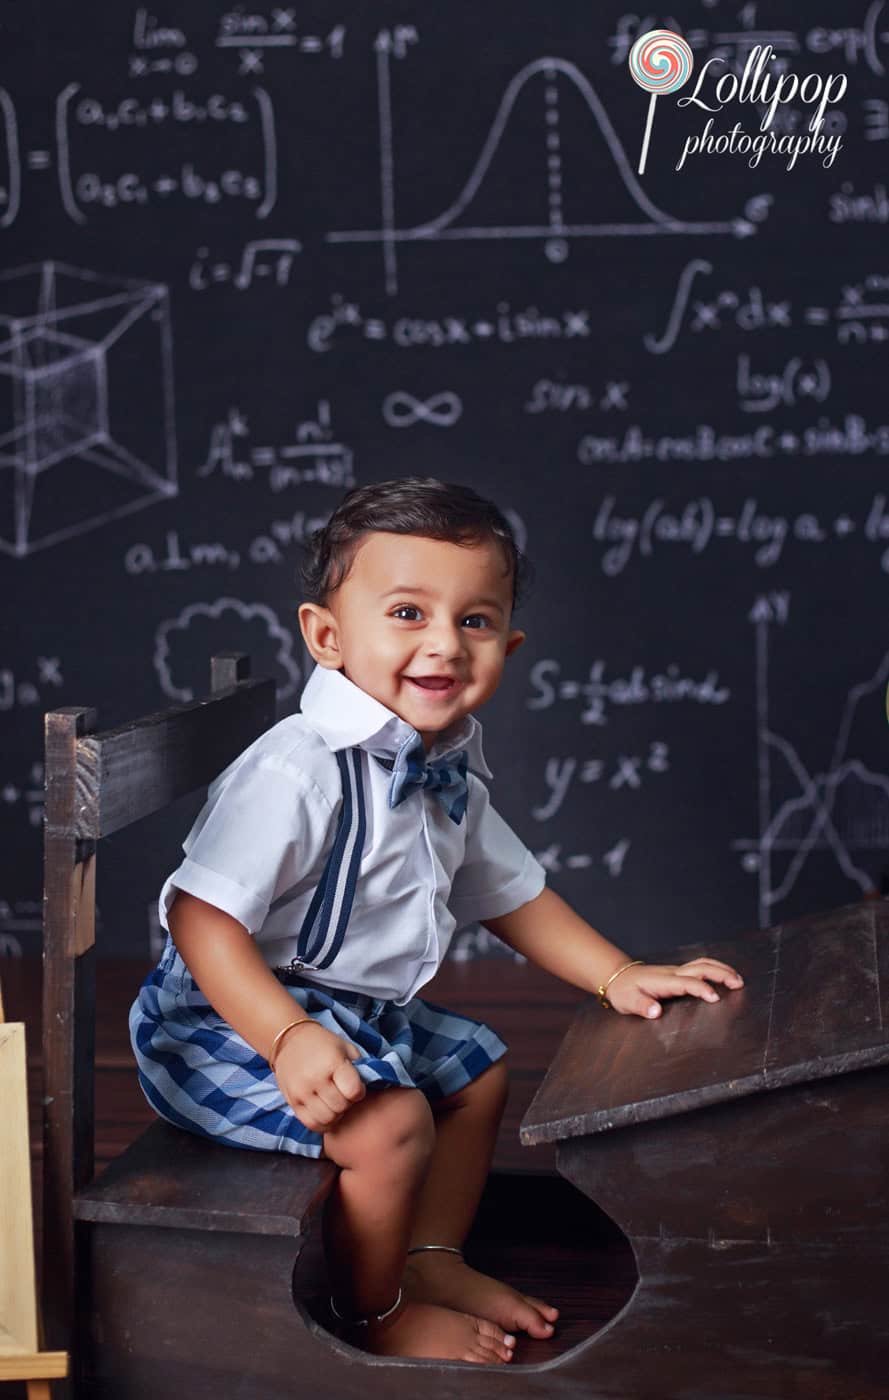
(742, 1146)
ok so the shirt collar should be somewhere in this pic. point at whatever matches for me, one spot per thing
(347, 717)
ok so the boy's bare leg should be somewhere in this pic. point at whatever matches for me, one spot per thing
(466, 1129)
(383, 1145)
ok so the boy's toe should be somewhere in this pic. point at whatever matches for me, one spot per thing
(496, 1344)
(534, 1316)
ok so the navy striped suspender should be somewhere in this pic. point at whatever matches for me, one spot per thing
(324, 926)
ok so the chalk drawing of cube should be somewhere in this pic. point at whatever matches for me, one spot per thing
(87, 432)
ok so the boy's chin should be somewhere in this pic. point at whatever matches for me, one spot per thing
(431, 727)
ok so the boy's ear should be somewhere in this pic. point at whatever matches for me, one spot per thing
(321, 634)
(514, 641)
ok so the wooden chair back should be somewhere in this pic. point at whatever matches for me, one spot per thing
(98, 782)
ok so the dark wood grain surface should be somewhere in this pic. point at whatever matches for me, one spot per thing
(128, 772)
(257, 1193)
(811, 1006)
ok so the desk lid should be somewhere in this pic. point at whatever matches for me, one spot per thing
(811, 1006)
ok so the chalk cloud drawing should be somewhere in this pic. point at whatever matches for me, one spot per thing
(86, 413)
(184, 644)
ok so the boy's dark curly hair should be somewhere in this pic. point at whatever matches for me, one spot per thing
(408, 505)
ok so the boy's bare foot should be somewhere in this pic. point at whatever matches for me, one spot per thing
(422, 1329)
(436, 1277)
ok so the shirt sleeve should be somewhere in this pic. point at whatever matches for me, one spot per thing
(264, 826)
(498, 873)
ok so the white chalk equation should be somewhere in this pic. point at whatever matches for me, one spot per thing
(620, 208)
(853, 436)
(79, 445)
(700, 525)
(178, 553)
(865, 43)
(852, 206)
(282, 535)
(32, 688)
(100, 151)
(600, 693)
(616, 773)
(252, 35)
(806, 811)
(612, 860)
(501, 324)
(314, 456)
(262, 260)
(556, 396)
(159, 47)
(858, 315)
(25, 794)
(760, 390)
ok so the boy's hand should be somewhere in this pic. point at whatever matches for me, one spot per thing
(636, 990)
(315, 1074)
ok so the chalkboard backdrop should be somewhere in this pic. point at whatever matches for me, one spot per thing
(254, 256)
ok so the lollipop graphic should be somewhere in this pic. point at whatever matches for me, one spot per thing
(660, 62)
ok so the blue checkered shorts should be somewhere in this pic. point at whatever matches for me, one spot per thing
(198, 1073)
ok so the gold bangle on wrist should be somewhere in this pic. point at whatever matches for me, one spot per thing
(600, 991)
(273, 1053)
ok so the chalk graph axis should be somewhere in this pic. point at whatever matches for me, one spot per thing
(842, 810)
(557, 232)
(70, 410)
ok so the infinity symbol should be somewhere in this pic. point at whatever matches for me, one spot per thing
(402, 410)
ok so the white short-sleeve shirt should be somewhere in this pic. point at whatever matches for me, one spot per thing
(260, 844)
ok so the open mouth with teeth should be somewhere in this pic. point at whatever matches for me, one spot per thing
(434, 685)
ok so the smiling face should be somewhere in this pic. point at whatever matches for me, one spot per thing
(422, 625)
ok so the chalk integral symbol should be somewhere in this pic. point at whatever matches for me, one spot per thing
(86, 423)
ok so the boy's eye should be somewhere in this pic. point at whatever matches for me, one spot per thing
(478, 620)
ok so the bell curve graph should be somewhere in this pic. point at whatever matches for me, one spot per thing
(841, 811)
(544, 82)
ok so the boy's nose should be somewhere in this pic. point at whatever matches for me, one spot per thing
(444, 641)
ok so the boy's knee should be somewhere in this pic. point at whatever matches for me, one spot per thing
(404, 1122)
(390, 1127)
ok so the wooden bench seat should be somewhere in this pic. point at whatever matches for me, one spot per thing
(170, 1178)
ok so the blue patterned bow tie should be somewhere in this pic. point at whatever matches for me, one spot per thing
(446, 777)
